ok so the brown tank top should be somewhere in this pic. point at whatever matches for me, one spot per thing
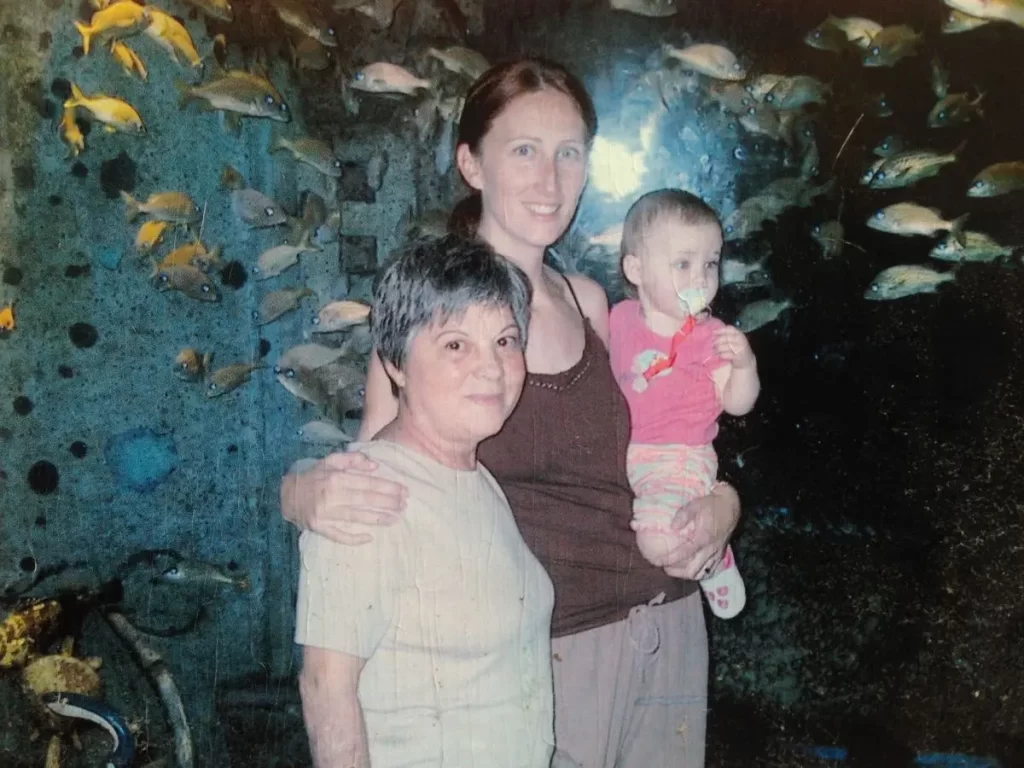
(561, 460)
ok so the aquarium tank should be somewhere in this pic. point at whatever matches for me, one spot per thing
(195, 198)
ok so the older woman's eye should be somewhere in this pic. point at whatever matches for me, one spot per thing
(454, 346)
(508, 341)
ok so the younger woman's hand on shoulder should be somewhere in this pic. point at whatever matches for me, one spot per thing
(338, 492)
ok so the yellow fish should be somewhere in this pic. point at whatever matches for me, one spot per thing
(128, 59)
(115, 21)
(150, 234)
(23, 628)
(71, 132)
(7, 322)
(115, 114)
(171, 35)
(192, 255)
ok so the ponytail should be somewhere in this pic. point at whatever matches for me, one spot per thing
(465, 217)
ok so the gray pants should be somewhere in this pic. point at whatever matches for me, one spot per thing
(633, 694)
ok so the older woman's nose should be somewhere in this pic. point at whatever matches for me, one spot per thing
(489, 364)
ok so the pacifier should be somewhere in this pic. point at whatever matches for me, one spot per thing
(692, 301)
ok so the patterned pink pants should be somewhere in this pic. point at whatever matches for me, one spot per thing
(666, 477)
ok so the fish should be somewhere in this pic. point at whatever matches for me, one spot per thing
(760, 86)
(314, 213)
(905, 280)
(762, 120)
(238, 92)
(273, 261)
(313, 152)
(731, 97)
(739, 272)
(891, 45)
(715, 61)
(217, 9)
(382, 12)
(955, 109)
(71, 132)
(958, 21)
(827, 37)
(760, 313)
(889, 146)
(231, 178)
(114, 113)
(339, 386)
(858, 30)
(128, 59)
(907, 168)
(197, 572)
(191, 364)
(376, 168)
(310, 356)
(748, 219)
(307, 20)
(654, 9)
(829, 235)
(192, 254)
(461, 60)
(256, 209)
(810, 163)
(26, 627)
(150, 234)
(323, 433)
(339, 315)
(940, 79)
(176, 207)
(977, 246)
(998, 179)
(277, 303)
(8, 322)
(798, 91)
(881, 106)
(384, 77)
(993, 10)
(869, 174)
(230, 378)
(909, 219)
(189, 280)
(171, 35)
(309, 54)
(116, 21)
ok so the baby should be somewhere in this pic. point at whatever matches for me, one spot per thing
(679, 368)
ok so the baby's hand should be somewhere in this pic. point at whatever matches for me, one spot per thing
(731, 345)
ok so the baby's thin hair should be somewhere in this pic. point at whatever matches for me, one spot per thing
(677, 203)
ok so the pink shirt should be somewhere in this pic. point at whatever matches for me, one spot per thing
(679, 405)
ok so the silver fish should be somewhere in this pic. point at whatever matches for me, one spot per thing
(905, 280)
(829, 235)
(376, 168)
(313, 152)
(278, 303)
(276, 260)
(197, 572)
(192, 365)
(256, 209)
(907, 168)
(189, 280)
(955, 109)
(940, 79)
(892, 45)
(739, 272)
(760, 313)
(384, 77)
(655, 9)
(712, 60)
(977, 246)
(339, 315)
(323, 433)
(958, 21)
(909, 219)
(889, 146)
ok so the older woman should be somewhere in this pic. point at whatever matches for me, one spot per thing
(630, 648)
(430, 645)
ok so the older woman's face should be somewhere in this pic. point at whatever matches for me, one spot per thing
(462, 379)
(530, 170)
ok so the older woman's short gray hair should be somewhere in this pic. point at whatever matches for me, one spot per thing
(432, 280)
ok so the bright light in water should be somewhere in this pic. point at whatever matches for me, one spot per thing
(614, 169)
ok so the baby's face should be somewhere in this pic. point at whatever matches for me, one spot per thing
(677, 273)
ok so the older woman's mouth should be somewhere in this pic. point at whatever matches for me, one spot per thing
(497, 399)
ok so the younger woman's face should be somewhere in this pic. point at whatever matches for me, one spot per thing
(530, 171)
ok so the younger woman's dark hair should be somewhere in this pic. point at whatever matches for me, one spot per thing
(489, 95)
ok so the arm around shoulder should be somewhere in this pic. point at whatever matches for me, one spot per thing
(594, 302)
(380, 406)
